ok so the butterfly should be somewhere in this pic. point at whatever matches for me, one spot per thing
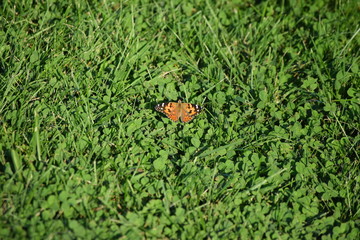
(175, 110)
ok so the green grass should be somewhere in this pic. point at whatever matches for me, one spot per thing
(275, 154)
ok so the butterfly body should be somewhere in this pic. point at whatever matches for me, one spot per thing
(175, 110)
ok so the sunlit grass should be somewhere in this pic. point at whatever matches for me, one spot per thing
(275, 153)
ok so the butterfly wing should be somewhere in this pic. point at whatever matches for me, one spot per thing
(189, 111)
(171, 110)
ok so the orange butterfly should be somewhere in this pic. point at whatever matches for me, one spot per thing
(174, 111)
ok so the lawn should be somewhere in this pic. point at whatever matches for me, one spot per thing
(274, 154)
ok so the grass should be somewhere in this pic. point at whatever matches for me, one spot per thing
(275, 155)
